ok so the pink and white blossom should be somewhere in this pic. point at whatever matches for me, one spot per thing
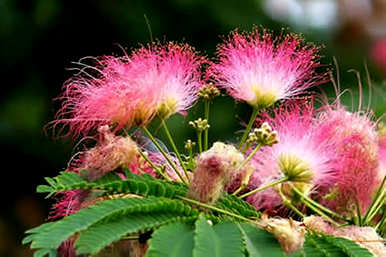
(260, 69)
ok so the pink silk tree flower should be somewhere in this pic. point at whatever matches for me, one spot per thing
(176, 69)
(356, 164)
(259, 69)
(302, 155)
(131, 90)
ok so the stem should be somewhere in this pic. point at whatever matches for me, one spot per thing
(249, 126)
(379, 206)
(174, 148)
(309, 202)
(163, 153)
(282, 180)
(245, 183)
(213, 208)
(199, 141)
(288, 204)
(381, 222)
(157, 169)
(249, 157)
(206, 132)
(130, 237)
(375, 201)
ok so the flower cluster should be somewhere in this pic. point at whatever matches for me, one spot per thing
(292, 159)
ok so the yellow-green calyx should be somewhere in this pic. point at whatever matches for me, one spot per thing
(167, 107)
(262, 100)
(296, 169)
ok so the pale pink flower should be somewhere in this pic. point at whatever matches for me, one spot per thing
(111, 152)
(214, 168)
(356, 164)
(131, 90)
(301, 154)
(288, 232)
(259, 69)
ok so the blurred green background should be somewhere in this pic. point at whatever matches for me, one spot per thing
(40, 38)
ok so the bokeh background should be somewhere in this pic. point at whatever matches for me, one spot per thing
(39, 40)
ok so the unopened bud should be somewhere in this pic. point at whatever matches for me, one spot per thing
(200, 124)
(189, 144)
(263, 135)
(209, 92)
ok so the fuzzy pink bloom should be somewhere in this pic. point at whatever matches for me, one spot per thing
(214, 168)
(301, 148)
(259, 69)
(356, 166)
(130, 90)
(112, 152)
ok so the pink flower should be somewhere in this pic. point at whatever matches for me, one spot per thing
(259, 69)
(131, 90)
(301, 154)
(356, 168)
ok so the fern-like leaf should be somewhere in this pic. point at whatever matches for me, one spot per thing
(326, 245)
(51, 235)
(221, 240)
(237, 206)
(102, 234)
(111, 184)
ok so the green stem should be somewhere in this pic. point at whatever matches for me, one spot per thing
(130, 237)
(157, 169)
(172, 164)
(245, 183)
(378, 207)
(375, 202)
(249, 126)
(206, 132)
(170, 138)
(381, 222)
(277, 182)
(199, 141)
(289, 205)
(213, 208)
(309, 202)
(257, 148)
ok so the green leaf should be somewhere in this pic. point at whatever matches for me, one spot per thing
(112, 184)
(51, 235)
(173, 240)
(260, 243)
(221, 240)
(326, 245)
(237, 206)
(102, 234)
